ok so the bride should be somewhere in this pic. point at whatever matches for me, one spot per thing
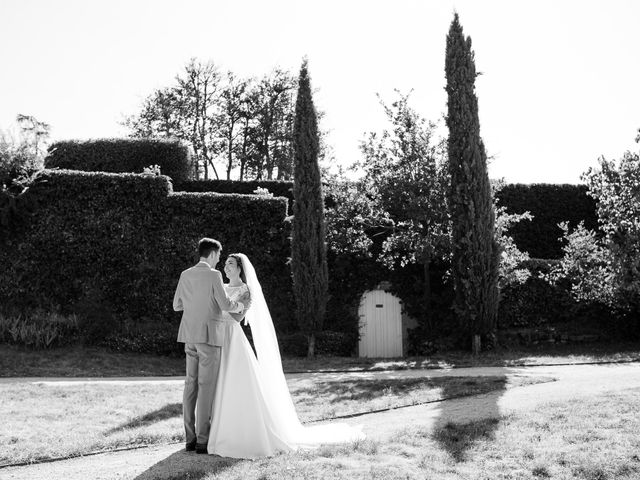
(253, 414)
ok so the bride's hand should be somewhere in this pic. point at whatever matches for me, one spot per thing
(246, 301)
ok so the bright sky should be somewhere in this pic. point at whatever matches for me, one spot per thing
(560, 83)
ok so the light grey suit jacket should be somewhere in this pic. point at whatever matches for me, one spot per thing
(201, 297)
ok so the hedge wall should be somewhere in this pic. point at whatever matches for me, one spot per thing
(278, 188)
(549, 204)
(129, 237)
(122, 155)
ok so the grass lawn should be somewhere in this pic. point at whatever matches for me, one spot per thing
(98, 362)
(48, 421)
(595, 439)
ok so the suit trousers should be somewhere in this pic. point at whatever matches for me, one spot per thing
(203, 363)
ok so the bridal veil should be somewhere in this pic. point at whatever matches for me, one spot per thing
(273, 380)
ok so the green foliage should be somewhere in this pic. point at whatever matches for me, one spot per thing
(511, 270)
(352, 217)
(38, 329)
(328, 342)
(535, 302)
(118, 155)
(15, 204)
(152, 170)
(553, 309)
(424, 343)
(143, 336)
(549, 205)
(128, 236)
(293, 344)
(308, 249)
(350, 275)
(511, 258)
(406, 177)
(586, 266)
(96, 316)
(341, 344)
(616, 188)
(475, 252)
(21, 153)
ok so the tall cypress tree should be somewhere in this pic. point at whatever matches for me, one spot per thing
(308, 248)
(475, 250)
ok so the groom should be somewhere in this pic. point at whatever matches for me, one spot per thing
(201, 297)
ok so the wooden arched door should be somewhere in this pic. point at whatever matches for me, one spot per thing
(380, 325)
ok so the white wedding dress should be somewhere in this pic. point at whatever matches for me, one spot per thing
(253, 414)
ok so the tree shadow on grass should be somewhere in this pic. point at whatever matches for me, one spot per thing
(464, 422)
(170, 410)
(371, 389)
(183, 465)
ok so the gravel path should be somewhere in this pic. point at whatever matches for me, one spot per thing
(170, 461)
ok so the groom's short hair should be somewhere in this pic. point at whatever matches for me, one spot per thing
(208, 245)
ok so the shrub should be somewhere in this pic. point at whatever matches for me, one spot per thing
(341, 344)
(146, 336)
(119, 155)
(586, 266)
(421, 342)
(616, 187)
(511, 258)
(21, 152)
(535, 302)
(38, 329)
(553, 309)
(293, 344)
(15, 205)
(327, 343)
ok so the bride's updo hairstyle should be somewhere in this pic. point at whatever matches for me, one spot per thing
(239, 263)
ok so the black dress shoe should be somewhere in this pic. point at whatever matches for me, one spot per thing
(191, 446)
(201, 448)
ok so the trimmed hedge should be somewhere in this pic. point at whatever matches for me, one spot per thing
(549, 204)
(128, 237)
(120, 155)
(277, 187)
